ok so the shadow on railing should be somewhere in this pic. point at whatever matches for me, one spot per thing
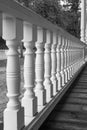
(47, 71)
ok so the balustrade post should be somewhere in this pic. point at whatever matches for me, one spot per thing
(68, 59)
(13, 34)
(29, 101)
(47, 58)
(62, 62)
(59, 78)
(83, 55)
(54, 64)
(65, 66)
(1, 24)
(40, 91)
(72, 59)
(75, 58)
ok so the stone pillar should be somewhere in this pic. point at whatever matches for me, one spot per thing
(83, 20)
(40, 92)
(54, 64)
(29, 101)
(59, 78)
(47, 58)
(13, 34)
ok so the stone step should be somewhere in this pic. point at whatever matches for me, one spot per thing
(80, 87)
(72, 108)
(75, 90)
(62, 126)
(81, 84)
(72, 100)
(77, 95)
(63, 115)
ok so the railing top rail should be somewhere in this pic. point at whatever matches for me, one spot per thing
(15, 9)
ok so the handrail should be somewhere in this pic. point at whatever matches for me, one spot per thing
(47, 71)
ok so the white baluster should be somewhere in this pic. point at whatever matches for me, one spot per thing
(59, 78)
(83, 54)
(13, 34)
(70, 67)
(39, 67)
(69, 59)
(0, 24)
(72, 59)
(62, 62)
(65, 56)
(54, 64)
(47, 58)
(29, 101)
(68, 62)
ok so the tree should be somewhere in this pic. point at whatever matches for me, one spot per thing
(73, 14)
(66, 17)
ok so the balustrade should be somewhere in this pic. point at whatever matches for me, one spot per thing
(29, 101)
(54, 64)
(59, 78)
(48, 66)
(65, 57)
(39, 90)
(12, 33)
(47, 71)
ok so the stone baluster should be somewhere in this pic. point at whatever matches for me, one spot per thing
(59, 78)
(72, 59)
(47, 58)
(73, 49)
(83, 54)
(0, 24)
(39, 67)
(80, 56)
(68, 59)
(75, 58)
(13, 34)
(29, 101)
(65, 57)
(54, 64)
(62, 62)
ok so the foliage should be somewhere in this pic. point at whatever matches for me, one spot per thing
(52, 10)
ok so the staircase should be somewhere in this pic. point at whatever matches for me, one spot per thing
(71, 112)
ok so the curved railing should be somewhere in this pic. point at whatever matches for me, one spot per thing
(47, 71)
